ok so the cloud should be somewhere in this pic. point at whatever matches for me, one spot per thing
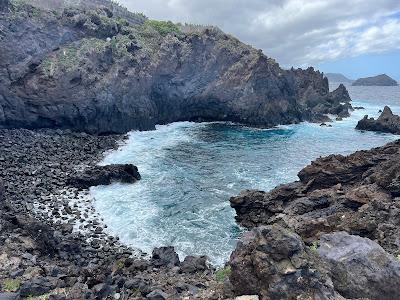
(295, 32)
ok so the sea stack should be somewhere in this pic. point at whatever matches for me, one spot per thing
(387, 122)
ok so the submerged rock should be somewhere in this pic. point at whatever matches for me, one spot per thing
(387, 122)
(105, 175)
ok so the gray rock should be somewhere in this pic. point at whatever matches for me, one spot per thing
(193, 264)
(157, 295)
(165, 257)
(274, 263)
(360, 267)
(387, 122)
(9, 296)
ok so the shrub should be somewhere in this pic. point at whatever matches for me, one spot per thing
(11, 285)
(314, 246)
(223, 273)
(164, 27)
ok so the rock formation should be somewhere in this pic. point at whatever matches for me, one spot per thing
(379, 80)
(387, 122)
(356, 193)
(105, 175)
(89, 70)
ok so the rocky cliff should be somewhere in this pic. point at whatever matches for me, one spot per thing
(92, 70)
(346, 210)
(387, 122)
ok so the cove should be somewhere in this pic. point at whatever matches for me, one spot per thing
(189, 171)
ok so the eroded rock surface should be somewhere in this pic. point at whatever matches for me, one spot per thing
(356, 193)
(387, 122)
(359, 267)
(274, 263)
(89, 70)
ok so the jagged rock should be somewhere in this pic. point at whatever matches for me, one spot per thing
(355, 193)
(51, 80)
(35, 287)
(165, 257)
(360, 268)
(387, 122)
(193, 264)
(274, 263)
(105, 175)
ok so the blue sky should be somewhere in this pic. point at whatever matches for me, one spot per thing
(355, 37)
(365, 65)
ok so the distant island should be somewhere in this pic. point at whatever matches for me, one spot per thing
(337, 77)
(379, 80)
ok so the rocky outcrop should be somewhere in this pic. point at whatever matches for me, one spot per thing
(105, 175)
(387, 122)
(359, 267)
(356, 193)
(379, 80)
(274, 263)
(89, 70)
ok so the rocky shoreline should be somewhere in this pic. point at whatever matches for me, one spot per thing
(346, 210)
(52, 242)
(386, 122)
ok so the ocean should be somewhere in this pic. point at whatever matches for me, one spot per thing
(190, 170)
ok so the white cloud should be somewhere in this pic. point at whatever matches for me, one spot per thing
(295, 32)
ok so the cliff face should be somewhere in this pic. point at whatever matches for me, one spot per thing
(95, 72)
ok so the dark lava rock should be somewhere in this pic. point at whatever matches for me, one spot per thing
(105, 175)
(165, 257)
(35, 287)
(51, 80)
(9, 296)
(356, 193)
(157, 295)
(274, 263)
(360, 268)
(193, 264)
(379, 80)
(387, 122)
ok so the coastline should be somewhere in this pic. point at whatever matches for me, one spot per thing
(44, 250)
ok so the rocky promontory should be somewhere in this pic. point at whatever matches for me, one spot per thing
(331, 235)
(387, 122)
(379, 80)
(89, 69)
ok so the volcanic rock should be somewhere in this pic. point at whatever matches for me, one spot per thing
(274, 263)
(387, 122)
(356, 193)
(137, 77)
(379, 80)
(360, 268)
(105, 175)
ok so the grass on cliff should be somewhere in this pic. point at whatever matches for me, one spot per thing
(223, 273)
(164, 27)
(11, 285)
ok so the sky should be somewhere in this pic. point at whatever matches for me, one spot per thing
(355, 37)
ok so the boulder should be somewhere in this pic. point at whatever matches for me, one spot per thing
(387, 122)
(165, 257)
(360, 268)
(157, 295)
(105, 175)
(194, 264)
(274, 263)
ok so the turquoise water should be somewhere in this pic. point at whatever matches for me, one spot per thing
(190, 170)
